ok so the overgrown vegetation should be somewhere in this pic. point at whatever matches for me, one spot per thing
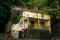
(36, 34)
(52, 7)
(16, 18)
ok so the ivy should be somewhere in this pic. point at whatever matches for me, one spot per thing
(15, 19)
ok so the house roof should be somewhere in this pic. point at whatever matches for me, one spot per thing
(23, 9)
(16, 8)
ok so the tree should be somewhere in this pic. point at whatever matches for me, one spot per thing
(5, 14)
(54, 10)
(36, 4)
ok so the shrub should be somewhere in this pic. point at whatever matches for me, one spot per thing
(36, 33)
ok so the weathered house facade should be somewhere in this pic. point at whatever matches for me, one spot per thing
(30, 19)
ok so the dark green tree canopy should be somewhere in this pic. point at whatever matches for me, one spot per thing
(5, 12)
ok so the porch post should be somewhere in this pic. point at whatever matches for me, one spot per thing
(23, 22)
(27, 21)
(23, 27)
(38, 23)
(27, 26)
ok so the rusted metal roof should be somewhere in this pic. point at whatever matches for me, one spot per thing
(23, 9)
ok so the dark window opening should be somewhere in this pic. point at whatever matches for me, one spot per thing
(20, 34)
(43, 24)
(42, 15)
(32, 23)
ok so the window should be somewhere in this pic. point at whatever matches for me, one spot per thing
(42, 15)
(42, 24)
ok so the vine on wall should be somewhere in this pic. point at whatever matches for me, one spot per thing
(15, 19)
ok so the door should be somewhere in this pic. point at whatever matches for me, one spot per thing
(20, 34)
(32, 24)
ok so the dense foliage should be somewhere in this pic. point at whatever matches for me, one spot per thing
(4, 12)
(16, 18)
(5, 15)
(36, 34)
(52, 7)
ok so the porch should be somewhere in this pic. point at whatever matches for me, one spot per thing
(34, 23)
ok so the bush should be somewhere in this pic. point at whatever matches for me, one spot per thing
(36, 34)
(32, 33)
(44, 34)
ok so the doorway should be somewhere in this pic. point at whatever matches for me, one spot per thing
(20, 34)
(32, 23)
